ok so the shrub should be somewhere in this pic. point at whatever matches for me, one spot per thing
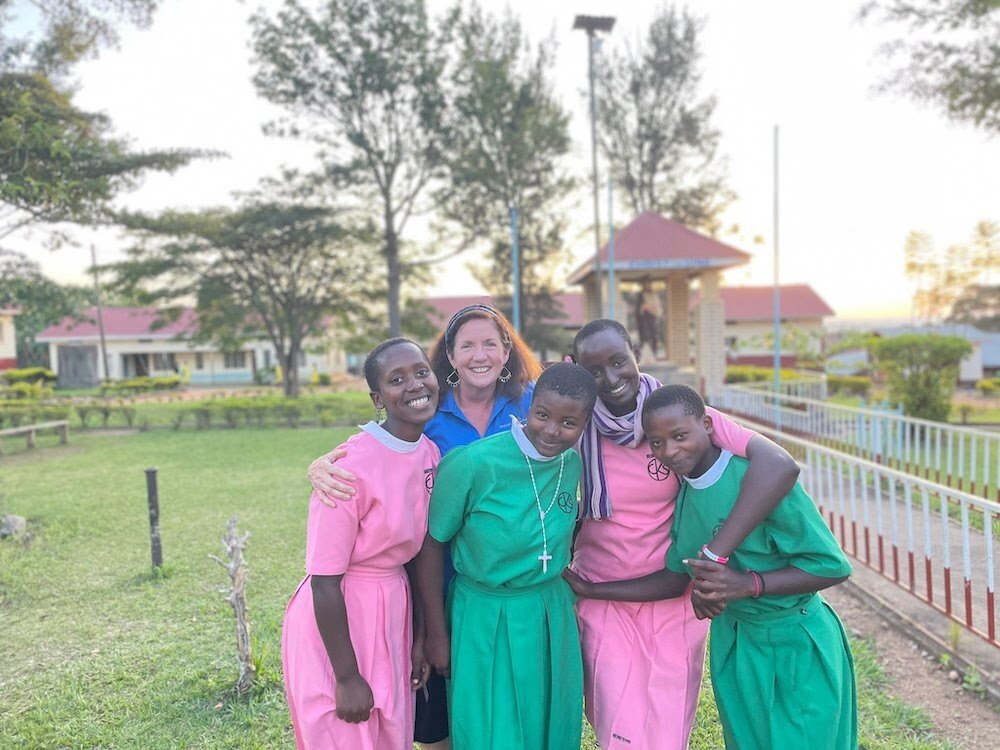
(324, 378)
(989, 387)
(24, 390)
(142, 384)
(921, 371)
(852, 385)
(30, 375)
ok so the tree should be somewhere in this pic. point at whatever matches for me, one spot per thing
(507, 140)
(655, 131)
(273, 268)
(59, 163)
(361, 79)
(921, 371)
(947, 56)
(71, 30)
(42, 303)
(958, 284)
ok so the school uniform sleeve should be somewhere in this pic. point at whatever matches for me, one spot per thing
(729, 435)
(331, 532)
(450, 498)
(802, 539)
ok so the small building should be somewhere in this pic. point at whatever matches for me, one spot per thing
(8, 338)
(648, 270)
(748, 330)
(136, 346)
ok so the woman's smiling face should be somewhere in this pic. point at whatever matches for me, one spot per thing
(609, 358)
(479, 353)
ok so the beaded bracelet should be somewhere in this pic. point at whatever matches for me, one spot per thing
(712, 556)
(758, 583)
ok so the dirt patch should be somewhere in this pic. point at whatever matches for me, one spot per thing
(918, 679)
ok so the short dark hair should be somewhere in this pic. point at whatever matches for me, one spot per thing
(374, 359)
(596, 326)
(569, 380)
(669, 395)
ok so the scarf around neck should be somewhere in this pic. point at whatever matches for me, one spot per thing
(624, 430)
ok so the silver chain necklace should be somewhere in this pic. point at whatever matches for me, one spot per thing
(545, 556)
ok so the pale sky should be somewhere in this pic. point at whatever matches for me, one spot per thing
(858, 170)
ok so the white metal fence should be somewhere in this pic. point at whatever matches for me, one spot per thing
(936, 542)
(961, 458)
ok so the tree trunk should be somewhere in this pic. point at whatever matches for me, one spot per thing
(392, 260)
(291, 365)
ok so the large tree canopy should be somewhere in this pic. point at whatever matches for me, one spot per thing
(655, 127)
(947, 55)
(361, 79)
(273, 269)
(507, 141)
(59, 163)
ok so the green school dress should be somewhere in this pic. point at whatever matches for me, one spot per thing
(781, 665)
(517, 674)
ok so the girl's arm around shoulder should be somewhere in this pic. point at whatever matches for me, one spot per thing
(353, 695)
(771, 474)
(663, 584)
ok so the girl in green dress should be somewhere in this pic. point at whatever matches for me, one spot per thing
(509, 644)
(780, 660)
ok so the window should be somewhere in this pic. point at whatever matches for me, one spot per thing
(199, 361)
(267, 359)
(235, 360)
(164, 361)
(302, 359)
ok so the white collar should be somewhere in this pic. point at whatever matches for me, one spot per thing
(517, 430)
(389, 440)
(711, 476)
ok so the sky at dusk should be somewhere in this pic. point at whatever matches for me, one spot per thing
(858, 170)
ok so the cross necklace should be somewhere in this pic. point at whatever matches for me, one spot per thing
(545, 556)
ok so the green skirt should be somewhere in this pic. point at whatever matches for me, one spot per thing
(785, 680)
(516, 675)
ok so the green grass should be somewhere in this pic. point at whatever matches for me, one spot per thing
(99, 653)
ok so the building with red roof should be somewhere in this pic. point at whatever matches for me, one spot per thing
(139, 342)
(8, 338)
(749, 322)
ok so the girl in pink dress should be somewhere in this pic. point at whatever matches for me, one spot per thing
(347, 645)
(643, 660)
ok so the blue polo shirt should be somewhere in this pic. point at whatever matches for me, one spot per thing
(449, 428)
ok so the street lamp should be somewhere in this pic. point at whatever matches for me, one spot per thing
(593, 24)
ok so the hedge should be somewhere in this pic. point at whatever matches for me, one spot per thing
(29, 375)
(142, 384)
(755, 374)
(851, 385)
(988, 386)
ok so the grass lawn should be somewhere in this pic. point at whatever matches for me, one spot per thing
(100, 654)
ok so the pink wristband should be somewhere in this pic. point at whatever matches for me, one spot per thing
(712, 556)
(757, 583)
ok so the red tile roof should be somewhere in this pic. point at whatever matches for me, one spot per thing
(120, 322)
(653, 242)
(445, 307)
(748, 303)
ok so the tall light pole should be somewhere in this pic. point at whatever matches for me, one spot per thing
(593, 24)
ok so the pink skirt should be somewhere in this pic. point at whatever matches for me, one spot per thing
(642, 666)
(379, 616)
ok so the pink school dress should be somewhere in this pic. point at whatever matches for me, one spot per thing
(368, 540)
(642, 661)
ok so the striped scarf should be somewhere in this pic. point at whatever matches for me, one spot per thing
(624, 430)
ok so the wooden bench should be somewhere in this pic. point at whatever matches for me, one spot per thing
(30, 431)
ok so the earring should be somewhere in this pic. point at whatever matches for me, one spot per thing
(505, 375)
(380, 414)
(453, 380)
